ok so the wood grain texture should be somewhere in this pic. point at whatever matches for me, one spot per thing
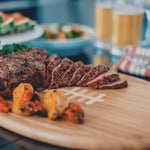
(120, 121)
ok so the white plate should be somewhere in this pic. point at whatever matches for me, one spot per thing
(22, 37)
(69, 47)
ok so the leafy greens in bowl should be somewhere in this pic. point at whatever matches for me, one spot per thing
(64, 41)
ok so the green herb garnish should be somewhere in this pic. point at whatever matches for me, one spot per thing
(8, 49)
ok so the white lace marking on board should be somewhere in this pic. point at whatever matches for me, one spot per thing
(83, 99)
(81, 92)
(95, 99)
(84, 96)
(67, 94)
(75, 89)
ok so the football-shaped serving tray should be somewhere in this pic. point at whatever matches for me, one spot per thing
(114, 119)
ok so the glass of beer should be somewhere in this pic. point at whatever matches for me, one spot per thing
(127, 20)
(103, 13)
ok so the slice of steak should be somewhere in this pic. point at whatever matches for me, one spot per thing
(88, 67)
(103, 79)
(58, 73)
(51, 63)
(77, 75)
(121, 83)
(69, 73)
(93, 73)
(52, 58)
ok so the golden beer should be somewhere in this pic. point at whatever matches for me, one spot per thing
(103, 22)
(126, 28)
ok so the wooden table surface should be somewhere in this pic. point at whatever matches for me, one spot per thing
(12, 141)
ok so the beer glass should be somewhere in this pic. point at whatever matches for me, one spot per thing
(103, 20)
(127, 20)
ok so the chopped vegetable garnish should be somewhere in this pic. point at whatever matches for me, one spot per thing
(63, 31)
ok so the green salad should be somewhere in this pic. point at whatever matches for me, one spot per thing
(62, 31)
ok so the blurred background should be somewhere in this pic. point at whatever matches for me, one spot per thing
(74, 11)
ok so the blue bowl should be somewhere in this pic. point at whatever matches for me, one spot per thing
(69, 47)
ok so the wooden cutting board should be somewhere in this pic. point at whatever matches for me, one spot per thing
(114, 119)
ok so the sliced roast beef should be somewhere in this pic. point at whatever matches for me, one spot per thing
(58, 73)
(77, 75)
(121, 83)
(87, 68)
(93, 73)
(51, 63)
(103, 79)
(31, 66)
(69, 73)
(52, 58)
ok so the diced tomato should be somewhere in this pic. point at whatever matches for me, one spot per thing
(6, 16)
(17, 17)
